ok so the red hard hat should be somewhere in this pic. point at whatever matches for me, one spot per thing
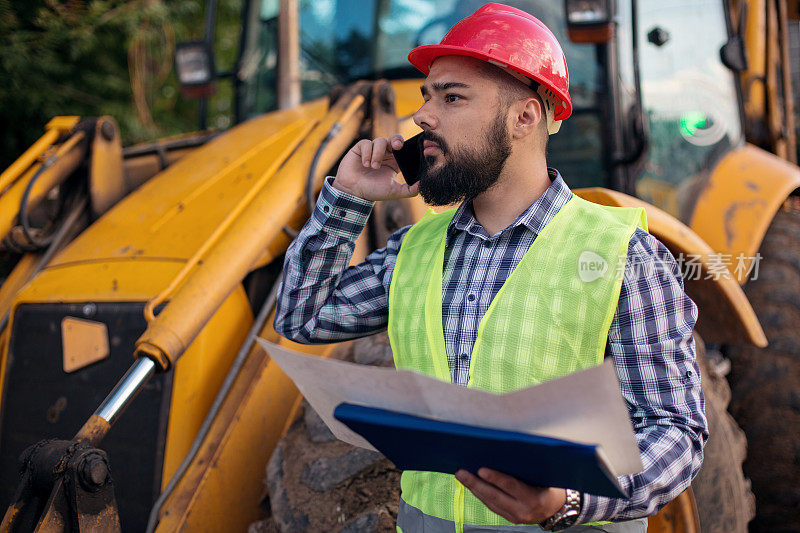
(509, 38)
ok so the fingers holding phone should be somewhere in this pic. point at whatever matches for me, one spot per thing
(369, 168)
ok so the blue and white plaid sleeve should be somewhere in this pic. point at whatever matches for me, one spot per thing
(321, 299)
(653, 349)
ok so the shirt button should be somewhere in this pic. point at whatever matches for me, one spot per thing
(325, 208)
(471, 297)
(464, 357)
(342, 213)
(487, 244)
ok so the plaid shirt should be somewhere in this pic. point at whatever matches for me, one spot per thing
(650, 339)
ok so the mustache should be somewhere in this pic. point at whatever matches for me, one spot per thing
(428, 135)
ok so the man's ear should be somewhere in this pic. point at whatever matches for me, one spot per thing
(529, 116)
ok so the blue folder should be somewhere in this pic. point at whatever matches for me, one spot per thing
(417, 443)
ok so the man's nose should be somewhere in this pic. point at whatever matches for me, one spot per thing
(424, 118)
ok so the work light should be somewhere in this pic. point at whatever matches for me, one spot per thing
(588, 12)
(194, 66)
(589, 21)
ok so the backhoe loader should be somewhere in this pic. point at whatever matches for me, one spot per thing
(139, 277)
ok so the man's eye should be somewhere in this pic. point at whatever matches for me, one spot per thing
(450, 98)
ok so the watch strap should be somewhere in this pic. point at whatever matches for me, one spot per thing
(567, 515)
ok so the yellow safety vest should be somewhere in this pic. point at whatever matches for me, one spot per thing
(551, 317)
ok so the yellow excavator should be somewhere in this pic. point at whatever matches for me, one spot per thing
(133, 396)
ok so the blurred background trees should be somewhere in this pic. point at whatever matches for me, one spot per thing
(115, 57)
(105, 57)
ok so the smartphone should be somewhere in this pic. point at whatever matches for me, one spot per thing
(409, 158)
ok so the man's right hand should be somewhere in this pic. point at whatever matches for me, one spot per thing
(368, 171)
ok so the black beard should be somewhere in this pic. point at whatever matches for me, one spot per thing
(464, 174)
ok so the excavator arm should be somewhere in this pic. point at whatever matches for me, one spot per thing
(254, 232)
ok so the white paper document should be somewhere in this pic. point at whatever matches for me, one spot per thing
(584, 407)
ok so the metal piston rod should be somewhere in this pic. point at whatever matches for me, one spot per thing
(117, 400)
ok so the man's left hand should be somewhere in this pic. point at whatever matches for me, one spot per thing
(517, 502)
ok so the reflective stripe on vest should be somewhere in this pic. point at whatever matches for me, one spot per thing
(412, 520)
(550, 318)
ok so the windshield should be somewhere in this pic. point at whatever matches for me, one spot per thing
(689, 99)
(345, 40)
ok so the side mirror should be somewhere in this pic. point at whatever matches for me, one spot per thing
(194, 66)
(589, 21)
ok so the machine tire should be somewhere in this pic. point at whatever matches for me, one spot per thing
(765, 382)
(725, 503)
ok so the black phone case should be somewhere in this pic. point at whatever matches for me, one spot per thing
(409, 158)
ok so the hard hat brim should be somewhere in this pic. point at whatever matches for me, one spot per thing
(422, 57)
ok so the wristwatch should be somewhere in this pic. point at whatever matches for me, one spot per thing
(567, 515)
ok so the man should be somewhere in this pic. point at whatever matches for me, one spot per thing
(490, 295)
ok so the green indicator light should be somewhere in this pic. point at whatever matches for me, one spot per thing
(693, 121)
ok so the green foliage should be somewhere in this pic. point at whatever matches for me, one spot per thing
(105, 57)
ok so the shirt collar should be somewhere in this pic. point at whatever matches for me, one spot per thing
(535, 217)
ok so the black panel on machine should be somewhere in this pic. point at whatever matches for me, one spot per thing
(42, 401)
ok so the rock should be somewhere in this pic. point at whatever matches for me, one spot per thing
(286, 517)
(263, 526)
(366, 523)
(316, 428)
(325, 473)
(373, 350)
